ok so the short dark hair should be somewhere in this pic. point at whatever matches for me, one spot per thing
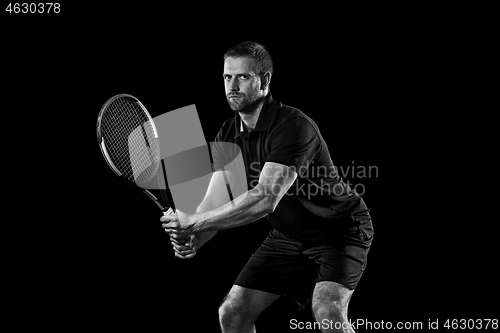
(255, 51)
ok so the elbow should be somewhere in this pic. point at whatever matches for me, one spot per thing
(268, 208)
(268, 200)
(270, 205)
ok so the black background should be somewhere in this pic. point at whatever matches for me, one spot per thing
(386, 92)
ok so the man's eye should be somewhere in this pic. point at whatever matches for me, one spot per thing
(227, 77)
(243, 77)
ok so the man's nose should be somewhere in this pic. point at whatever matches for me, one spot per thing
(233, 85)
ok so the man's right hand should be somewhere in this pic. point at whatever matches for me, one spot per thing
(184, 248)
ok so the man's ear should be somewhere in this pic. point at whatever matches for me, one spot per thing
(265, 80)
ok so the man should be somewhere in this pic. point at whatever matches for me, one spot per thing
(322, 229)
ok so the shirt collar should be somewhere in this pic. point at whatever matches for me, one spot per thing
(263, 122)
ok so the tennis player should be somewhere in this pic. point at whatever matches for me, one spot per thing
(322, 230)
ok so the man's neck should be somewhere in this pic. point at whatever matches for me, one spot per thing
(250, 118)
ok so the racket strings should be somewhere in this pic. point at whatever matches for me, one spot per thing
(130, 140)
(133, 155)
(140, 156)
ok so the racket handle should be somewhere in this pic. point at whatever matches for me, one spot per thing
(168, 212)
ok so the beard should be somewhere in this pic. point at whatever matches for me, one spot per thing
(245, 103)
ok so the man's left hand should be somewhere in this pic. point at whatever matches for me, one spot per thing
(178, 225)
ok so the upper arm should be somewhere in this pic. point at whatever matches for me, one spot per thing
(275, 179)
(217, 192)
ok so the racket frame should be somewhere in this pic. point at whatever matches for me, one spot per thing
(165, 192)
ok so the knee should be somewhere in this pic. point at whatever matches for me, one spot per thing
(331, 311)
(334, 311)
(330, 301)
(231, 315)
(225, 312)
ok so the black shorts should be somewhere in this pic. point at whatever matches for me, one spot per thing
(289, 268)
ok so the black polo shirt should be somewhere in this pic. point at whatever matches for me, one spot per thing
(319, 202)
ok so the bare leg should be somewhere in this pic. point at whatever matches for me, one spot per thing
(242, 307)
(330, 302)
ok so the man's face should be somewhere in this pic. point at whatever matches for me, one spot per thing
(242, 83)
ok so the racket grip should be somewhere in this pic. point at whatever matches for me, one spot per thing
(168, 212)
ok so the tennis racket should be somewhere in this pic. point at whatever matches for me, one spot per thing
(129, 143)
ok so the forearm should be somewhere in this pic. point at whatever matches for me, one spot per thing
(203, 237)
(247, 208)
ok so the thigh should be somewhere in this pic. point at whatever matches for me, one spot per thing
(250, 302)
(328, 292)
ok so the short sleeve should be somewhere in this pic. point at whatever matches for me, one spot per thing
(217, 152)
(223, 152)
(295, 144)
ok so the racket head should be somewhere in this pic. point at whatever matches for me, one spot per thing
(128, 139)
